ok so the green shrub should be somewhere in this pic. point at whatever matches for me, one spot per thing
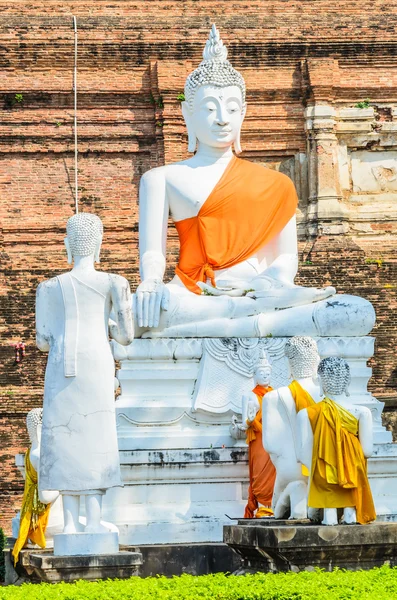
(377, 584)
(2, 544)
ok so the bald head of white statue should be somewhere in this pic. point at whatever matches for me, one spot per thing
(214, 106)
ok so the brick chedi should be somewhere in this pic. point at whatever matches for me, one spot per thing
(322, 107)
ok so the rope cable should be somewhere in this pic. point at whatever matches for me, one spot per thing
(76, 192)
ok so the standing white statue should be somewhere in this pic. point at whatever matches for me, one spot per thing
(279, 423)
(334, 440)
(237, 230)
(79, 451)
(261, 469)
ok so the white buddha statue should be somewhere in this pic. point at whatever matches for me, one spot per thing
(237, 229)
(279, 425)
(334, 440)
(79, 451)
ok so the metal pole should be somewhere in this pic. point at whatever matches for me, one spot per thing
(76, 188)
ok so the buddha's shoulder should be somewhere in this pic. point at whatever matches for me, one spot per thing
(259, 170)
(162, 174)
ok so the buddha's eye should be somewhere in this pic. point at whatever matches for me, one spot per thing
(233, 108)
(210, 107)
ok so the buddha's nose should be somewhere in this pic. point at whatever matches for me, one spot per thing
(222, 118)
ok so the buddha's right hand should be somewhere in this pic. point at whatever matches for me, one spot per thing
(151, 296)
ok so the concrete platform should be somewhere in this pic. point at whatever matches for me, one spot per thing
(276, 545)
(157, 559)
(41, 565)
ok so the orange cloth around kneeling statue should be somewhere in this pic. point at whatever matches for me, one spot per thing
(247, 208)
(261, 469)
(339, 468)
(302, 399)
(34, 514)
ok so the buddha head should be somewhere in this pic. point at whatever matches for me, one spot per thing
(84, 236)
(214, 106)
(334, 373)
(34, 420)
(263, 370)
(303, 356)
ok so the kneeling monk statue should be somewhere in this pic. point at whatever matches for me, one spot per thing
(237, 230)
(261, 469)
(334, 440)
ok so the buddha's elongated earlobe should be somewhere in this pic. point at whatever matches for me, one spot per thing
(237, 141)
(68, 252)
(98, 251)
(191, 140)
(191, 134)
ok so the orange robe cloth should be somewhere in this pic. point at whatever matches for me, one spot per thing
(302, 400)
(339, 468)
(261, 469)
(247, 208)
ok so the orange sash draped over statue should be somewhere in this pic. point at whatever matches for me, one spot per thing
(261, 469)
(339, 468)
(247, 208)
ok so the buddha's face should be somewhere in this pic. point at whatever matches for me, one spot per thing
(217, 115)
(262, 375)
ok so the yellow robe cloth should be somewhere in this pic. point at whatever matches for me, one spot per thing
(261, 469)
(302, 400)
(34, 514)
(339, 468)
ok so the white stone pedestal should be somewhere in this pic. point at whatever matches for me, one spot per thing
(83, 544)
(182, 471)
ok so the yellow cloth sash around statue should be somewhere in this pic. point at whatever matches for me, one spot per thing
(302, 400)
(339, 468)
(34, 514)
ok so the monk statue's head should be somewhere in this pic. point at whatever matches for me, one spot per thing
(84, 236)
(303, 356)
(214, 106)
(263, 370)
(334, 373)
(34, 420)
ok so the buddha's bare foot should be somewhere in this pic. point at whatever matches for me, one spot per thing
(72, 528)
(289, 297)
(96, 529)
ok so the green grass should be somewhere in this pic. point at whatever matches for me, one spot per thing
(377, 584)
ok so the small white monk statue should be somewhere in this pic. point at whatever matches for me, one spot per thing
(237, 230)
(261, 470)
(334, 440)
(31, 522)
(79, 451)
(280, 426)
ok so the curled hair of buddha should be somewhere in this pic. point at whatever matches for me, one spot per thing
(214, 70)
(335, 375)
(302, 354)
(84, 232)
(34, 418)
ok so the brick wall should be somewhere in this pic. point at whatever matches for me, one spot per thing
(133, 60)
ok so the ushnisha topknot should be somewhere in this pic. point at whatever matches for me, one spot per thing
(84, 231)
(33, 419)
(263, 360)
(334, 373)
(214, 70)
(303, 356)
